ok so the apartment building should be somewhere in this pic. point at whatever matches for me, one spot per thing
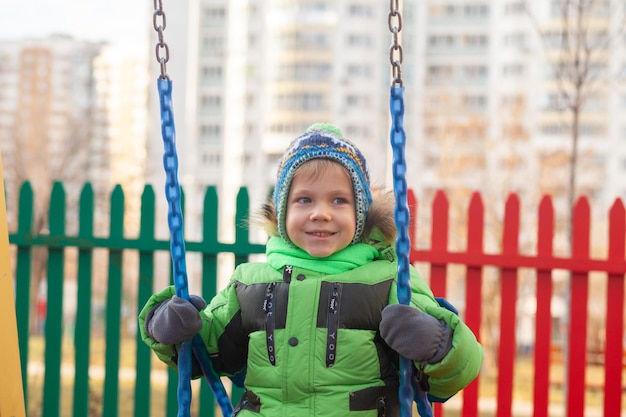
(249, 76)
(74, 111)
(483, 107)
(48, 113)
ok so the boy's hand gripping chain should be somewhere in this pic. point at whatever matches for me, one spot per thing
(177, 242)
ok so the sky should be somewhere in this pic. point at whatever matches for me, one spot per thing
(124, 23)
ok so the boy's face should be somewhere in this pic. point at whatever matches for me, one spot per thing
(320, 217)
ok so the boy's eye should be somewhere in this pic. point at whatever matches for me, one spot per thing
(341, 200)
(303, 200)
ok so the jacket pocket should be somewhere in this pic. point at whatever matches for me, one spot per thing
(249, 401)
(383, 399)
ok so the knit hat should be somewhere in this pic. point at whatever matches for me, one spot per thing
(323, 141)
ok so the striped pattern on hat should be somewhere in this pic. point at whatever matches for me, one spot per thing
(324, 141)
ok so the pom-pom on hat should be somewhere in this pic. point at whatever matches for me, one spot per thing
(323, 141)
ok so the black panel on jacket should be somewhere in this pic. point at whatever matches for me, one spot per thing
(360, 305)
(233, 348)
(251, 301)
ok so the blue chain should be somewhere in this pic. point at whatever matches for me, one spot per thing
(403, 245)
(177, 246)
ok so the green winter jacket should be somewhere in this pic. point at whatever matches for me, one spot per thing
(307, 331)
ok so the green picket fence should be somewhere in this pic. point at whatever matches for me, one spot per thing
(85, 242)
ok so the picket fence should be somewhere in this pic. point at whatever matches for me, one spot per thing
(438, 259)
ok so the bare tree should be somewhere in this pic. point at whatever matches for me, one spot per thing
(577, 38)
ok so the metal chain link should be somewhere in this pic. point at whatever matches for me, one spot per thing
(403, 244)
(407, 392)
(395, 51)
(173, 194)
(399, 168)
(159, 23)
(172, 189)
(177, 245)
(177, 242)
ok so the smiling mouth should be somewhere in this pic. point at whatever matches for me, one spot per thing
(321, 234)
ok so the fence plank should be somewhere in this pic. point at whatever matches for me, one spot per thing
(242, 253)
(439, 242)
(171, 404)
(23, 279)
(54, 316)
(508, 308)
(614, 355)
(577, 339)
(83, 306)
(145, 288)
(113, 308)
(210, 221)
(543, 316)
(473, 292)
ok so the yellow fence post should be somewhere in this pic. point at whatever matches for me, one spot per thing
(11, 394)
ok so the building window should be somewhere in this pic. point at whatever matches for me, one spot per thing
(358, 100)
(515, 8)
(304, 40)
(476, 10)
(439, 71)
(211, 73)
(210, 133)
(357, 131)
(475, 72)
(213, 45)
(513, 70)
(475, 101)
(358, 71)
(359, 40)
(288, 128)
(516, 39)
(360, 10)
(246, 159)
(300, 101)
(213, 15)
(586, 129)
(441, 41)
(211, 158)
(555, 129)
(592, 129)
(555, 101)
(211, 102)
(475, 41)
(311, 71)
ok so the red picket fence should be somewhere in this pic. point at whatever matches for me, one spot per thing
(509, 262)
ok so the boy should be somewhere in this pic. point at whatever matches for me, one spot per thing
(318, 327)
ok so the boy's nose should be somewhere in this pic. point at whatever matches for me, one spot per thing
(320, 213)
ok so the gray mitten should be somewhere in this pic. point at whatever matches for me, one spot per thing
(415, 335)
(175, 320)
